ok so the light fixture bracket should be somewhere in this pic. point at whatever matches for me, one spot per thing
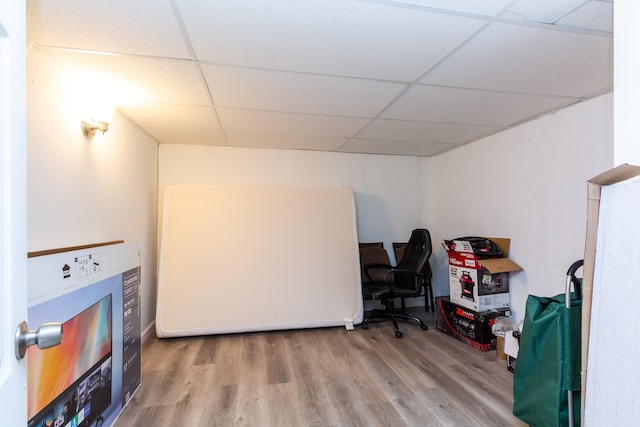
(89, 127)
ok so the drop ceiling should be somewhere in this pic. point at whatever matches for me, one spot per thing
(409, 77)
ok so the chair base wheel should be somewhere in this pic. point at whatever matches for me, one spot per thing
(376, 315)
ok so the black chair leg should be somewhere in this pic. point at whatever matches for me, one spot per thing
(390, 313)
(426, 298)
(433, 301)
(413, 318)
(395, 327)
(429, 301)
(375, 315)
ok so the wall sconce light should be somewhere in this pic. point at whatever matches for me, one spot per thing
(89, 127)
(98, 105)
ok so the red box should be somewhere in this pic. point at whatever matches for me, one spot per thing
(469, 326)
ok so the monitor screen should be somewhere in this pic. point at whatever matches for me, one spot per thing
(70, 384)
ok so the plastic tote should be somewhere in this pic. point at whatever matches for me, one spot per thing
(546, 382)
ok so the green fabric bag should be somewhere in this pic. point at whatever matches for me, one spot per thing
(548, 363)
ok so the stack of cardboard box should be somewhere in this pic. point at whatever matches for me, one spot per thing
(478, 293)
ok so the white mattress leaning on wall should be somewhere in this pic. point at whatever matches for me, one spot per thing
(251, 258)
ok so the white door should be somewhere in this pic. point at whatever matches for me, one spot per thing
(13, 228)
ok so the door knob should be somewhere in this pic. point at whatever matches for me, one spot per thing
(47, 335)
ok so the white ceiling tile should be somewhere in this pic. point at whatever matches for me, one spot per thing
(172, 116)
(512, 58)
(546, 11)
(471, 107)
(284, 141)
(595, 15)
(485, 7)
(124, 26)
(347, 38)
(156, 80)
(187, 136)
(393, 147)
(268, 122)
(294, 92)
(401, 130)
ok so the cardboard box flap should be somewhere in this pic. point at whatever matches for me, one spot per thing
(612, 176)
(502, 244)
(617, 174)
(500, 265)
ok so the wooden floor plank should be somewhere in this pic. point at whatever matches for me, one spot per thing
(284, 406)
(220, 406)
(276, 357)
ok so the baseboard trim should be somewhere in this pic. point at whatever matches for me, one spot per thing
(146, 333)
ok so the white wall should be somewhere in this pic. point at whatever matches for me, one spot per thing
(388, 189)
(626, 71)
(87, 191)
(528, 184)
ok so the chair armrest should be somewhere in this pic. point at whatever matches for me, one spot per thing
(375, 265)
(407, 272)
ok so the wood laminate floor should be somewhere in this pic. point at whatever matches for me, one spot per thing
(321, 377)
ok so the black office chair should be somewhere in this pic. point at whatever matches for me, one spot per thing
(405, 280)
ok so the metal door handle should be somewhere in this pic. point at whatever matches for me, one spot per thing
(47, 335)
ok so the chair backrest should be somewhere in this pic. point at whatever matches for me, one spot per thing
(371, 244)
(417, 252)
(398, 251)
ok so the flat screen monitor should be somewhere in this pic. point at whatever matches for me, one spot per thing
(70, 384)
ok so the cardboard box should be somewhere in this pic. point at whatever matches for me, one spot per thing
(479, 284)
(500, 347)
(470, 326)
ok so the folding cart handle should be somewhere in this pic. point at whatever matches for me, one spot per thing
(574, 267)
(571, 278)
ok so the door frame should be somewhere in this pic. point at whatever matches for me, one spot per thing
(13, 208)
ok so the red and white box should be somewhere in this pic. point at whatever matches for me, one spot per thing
(479, 284)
